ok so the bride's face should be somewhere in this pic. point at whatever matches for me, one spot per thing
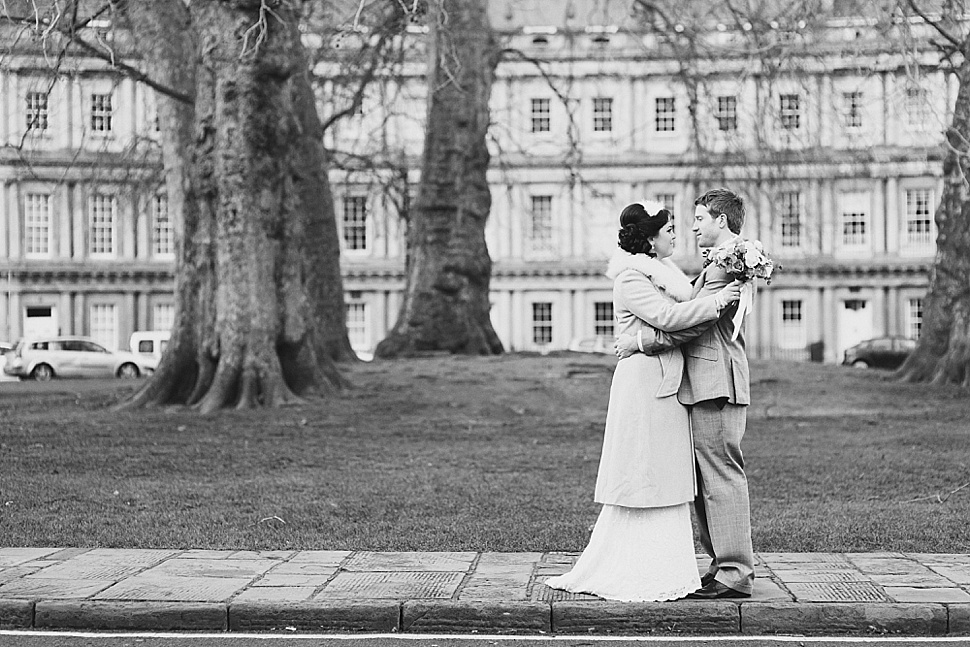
(663, 242)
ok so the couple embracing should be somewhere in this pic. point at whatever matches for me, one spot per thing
(676, 416)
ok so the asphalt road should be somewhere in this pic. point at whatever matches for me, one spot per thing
(65, 639)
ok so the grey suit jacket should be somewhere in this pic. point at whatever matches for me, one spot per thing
(716, 366)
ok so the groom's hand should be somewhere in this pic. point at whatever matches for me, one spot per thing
(625, 345)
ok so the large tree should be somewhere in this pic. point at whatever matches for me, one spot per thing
(942, 354)
(448, 269)
(259, 300)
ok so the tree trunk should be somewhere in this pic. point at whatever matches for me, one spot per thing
(942, 354)
(257, 280)
(446, 304)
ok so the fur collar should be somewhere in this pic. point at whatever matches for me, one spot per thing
(666, 276)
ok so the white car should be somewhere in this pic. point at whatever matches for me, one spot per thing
(45, 359)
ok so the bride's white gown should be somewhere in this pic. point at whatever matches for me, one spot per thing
(636, 555)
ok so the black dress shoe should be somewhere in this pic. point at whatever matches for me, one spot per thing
(707, 579)
(716, 591)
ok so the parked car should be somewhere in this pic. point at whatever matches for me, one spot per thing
(150, 343)
(883, 352)
(45, 359)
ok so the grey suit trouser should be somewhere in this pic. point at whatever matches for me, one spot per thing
(721, 505)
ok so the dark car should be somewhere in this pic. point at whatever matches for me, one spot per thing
(884, 352)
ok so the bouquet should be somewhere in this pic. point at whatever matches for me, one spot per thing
(744, 260)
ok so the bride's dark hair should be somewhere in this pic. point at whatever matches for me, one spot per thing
(637, 227)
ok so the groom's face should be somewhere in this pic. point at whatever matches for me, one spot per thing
(707, 227)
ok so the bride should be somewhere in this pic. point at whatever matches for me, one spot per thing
(642, 546)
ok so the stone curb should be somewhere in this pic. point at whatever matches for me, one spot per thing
(844, 618)
(16, 614)
(959, 615)
(433, 616)
(160, 616)
(682, 617)
(335, 615)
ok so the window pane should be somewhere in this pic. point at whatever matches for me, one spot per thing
(541, 110)
(603, 319)
(104, 325)
(726, 113)
(37, 111)
(790, 111)
(542, 323)
(602, 114)
(355, 222)
(163, 232)
(101, 113)
(101, 219)
(37, 224)
(790, 216)
(666, 113)
(919, 217)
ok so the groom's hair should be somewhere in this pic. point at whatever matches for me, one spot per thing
(729, 203)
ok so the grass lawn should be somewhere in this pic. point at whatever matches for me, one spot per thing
(468, 454)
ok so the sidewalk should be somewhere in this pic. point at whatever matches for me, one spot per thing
(326, 591)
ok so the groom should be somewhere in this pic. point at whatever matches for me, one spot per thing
(716, 388)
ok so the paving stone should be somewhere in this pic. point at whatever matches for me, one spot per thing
(803, 558)
(941, 558)
(922, 594)
(16, 556)
(480, 616)
(321, 557)
(506, 586)
(17, 572)
(956, 573)
(262, 554)
(768, 590)
(839, 618)
(959, 618)
(276, 594)
(292, 579)
(214, 568)
(289, 568)
(836, 592)
(929, 579)
(543, 593)
(16, 614)
(886, 565)
(45, 588)
(682, 616)
(399, 586)
(145, 616)
(100, 564)
(316, 616)
(372, 562)
(67, 553)
(822, 575)
(204, 554)
(497, 562)
(169, 588)
(560, 558)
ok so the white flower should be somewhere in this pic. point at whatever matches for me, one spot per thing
(652, 207)
(752, 257)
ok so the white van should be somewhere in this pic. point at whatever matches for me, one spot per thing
(149, 342)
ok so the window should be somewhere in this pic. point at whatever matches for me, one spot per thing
(357, 325)
(666, 113)
(540, 225)
(101, 224)
(855, 219)
(101, 113)
(355, 222)
(726, 114)
(603, 319)
(792, 325)
(37, 225)
(163, 316)
(163, 233)
(104, 325)
(852, 107)
(36, 111)
(602, 115)
(919, 217)
(790, 217)
(541, 111)
(916, 108)
(542, 323)
(790, 112)
(668, 200)
(914, 318)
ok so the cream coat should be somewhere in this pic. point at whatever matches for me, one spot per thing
(648, 458)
